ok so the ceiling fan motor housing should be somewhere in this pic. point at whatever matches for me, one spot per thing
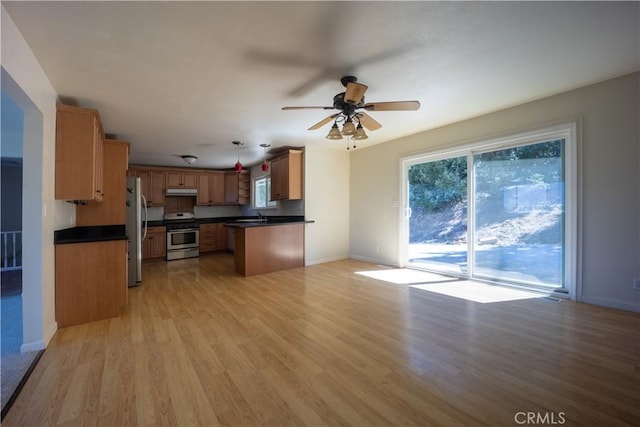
(348, 108)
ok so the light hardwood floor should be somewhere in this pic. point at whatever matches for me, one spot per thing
(321, 345)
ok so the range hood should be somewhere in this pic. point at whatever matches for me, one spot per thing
(181, 192)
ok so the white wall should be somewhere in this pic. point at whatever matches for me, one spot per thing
(609, 196)
(326, 190)
(25, 81)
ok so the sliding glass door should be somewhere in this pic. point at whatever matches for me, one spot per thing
(519, 214)
(496, 211)
(438, 214)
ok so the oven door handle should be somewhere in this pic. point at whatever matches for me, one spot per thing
(183, 230)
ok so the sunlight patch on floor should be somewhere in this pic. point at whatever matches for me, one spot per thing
(477, 292)
(450, 286)
(406, 276)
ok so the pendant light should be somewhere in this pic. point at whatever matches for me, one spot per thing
(238, 165)
(265, 165)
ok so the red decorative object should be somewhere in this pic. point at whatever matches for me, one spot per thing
(238, 167)
(265, 166)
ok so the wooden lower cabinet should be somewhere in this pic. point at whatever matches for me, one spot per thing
(213, 237)
(155, 244)
(91, 281)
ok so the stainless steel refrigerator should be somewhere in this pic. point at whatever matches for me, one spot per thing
(136, 229)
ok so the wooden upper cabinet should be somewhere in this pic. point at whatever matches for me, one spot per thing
(152, 183)
(231, 188)
(79, 154)
(210, 189)
(237, 188)
(112, 210)
(286, 176)
(180, 179)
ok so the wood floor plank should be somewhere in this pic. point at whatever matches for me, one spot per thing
(323, 345)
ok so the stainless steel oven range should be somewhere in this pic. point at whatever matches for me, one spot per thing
(183, 236)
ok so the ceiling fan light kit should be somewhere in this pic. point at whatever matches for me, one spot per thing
(334, 132)
(349, 128)
(349, 104)
(360, 133)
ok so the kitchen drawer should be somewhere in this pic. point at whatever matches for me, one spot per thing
(210, 237)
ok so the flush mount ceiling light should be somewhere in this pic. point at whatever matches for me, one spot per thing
(265, 165)
(238, 165)
(189, 159)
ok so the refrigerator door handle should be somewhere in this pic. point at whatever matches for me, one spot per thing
(144, 202)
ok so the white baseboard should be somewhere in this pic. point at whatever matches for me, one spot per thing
(32, 346)
(323, 260)
(621, 305)
(40, 344)
(50, 332)
(375, 261)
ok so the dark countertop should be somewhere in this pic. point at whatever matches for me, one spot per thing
(231, 219)
(87, 234)
(270, 219)
(264, 224)
(155, 223)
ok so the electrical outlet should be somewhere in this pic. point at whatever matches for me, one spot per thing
(636, 284)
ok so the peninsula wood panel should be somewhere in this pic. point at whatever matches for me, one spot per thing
(91, 281)
(113, 209)
(269, 248)
(326, 345)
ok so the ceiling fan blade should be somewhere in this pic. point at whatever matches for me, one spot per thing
(368, 121)
(323, 121)
(307, 108)
(355, 92)
(392, 106)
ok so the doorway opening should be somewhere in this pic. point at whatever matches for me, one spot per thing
(21, 121)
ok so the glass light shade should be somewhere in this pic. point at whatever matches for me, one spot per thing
(348, 129)
(359, 133)
(238, 166)
(189, 159)
(334, 133)
(265, 166)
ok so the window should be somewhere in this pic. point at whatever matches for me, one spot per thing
(262, 193)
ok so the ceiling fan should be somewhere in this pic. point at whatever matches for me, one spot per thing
(350, 104)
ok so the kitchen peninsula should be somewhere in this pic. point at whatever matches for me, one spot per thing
(265, 246)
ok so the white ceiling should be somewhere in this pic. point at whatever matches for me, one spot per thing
(190, 77)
